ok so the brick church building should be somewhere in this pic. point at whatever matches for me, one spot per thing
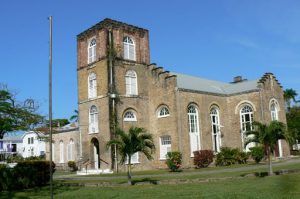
(118, 86)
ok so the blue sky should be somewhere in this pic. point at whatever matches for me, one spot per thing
(212, 39)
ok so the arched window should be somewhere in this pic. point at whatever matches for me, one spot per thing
(92, 85)
(246, 120)
(131, 82)
(193, 129)
(129, 48)
(129, 116)
(216, 131)
(274, 110)
(61, 152)
(93, 123)
(163, 112)
(92, 51)
(71, 147)
(53, 152)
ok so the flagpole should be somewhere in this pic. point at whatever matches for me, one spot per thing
(50, 105)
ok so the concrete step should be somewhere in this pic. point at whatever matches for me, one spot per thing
(94, 171)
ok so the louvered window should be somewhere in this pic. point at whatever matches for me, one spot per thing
(93, 123)
(131, 83)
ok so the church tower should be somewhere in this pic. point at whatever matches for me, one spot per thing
(104, 53)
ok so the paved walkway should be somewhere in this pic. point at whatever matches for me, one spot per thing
(71, 177)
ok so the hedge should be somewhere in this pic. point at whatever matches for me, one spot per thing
(26, 174)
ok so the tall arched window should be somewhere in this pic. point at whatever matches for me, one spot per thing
(246, 120)
(129, 116)
(193, 129)
(61, 152)
(92, 85)
(274, 110)
(129, 48)
(71, 147)
(92, 51)
(274, 117)
(216, 131)
(93, 123)
(131, 83)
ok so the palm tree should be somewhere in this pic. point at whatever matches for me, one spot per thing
(136, 140)
(267, 135)
(75, 116)
(289, 96)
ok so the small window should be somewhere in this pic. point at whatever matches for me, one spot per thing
(274, 110)
(165, 146)
(92, 51)
(163, 112)
(28, 140)
(31, 140)
(129, 116)
(129, 48)
(61, 152)
(134, 158)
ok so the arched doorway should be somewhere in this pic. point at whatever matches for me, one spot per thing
(95, 153)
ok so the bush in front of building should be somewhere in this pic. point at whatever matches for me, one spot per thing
(26, 174)
(72, 165)
(203, 158)
(257, 153)
(228, 156)
(174, 160)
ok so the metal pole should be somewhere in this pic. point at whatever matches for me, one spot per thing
(50, 106)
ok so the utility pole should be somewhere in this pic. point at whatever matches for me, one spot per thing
(50, 105)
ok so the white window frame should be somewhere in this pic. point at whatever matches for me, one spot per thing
(130, 116)
(194, 131)
(164, 146)
(129, 48)
(92, 85)
(131, 83)
(134, 158)
(92, 45)
(93, 120)
(61, 152)
(215, 129)
(163, 111)
(246, 119)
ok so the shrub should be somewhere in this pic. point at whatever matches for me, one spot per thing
(257, 153)
(203, 158)
(72, 165)
(174, 161)
(25, 174)
(229, 156)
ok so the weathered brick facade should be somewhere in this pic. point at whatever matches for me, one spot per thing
(157, 87)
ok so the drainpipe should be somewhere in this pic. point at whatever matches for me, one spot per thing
(112, 94)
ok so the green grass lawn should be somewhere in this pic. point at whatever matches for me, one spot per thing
(220, 182)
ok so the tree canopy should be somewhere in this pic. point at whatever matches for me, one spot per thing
(16, 116)
(293, 121)
(289, 96)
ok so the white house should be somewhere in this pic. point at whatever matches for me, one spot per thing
(11, 144)
(33, 144)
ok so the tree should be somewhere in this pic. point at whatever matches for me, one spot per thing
(293, 118)
(267, 135)
(75, 117)
(58, 122)
(289, 96)
(136, 140)
(16, 116)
